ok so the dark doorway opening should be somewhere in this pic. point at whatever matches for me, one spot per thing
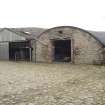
(62, 50)
(20, 51)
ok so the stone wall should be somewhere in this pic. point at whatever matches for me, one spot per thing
(33, 45)
(85, 48)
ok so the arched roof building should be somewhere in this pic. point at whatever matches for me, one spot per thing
(58, 44)
(70, 44)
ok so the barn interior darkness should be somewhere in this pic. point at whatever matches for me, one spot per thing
(62, 50)
(19, 51)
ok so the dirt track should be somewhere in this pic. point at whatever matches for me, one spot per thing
(24, 83)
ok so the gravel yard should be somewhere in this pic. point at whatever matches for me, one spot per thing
(24, 83)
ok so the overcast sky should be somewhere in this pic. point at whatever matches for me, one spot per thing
(86, 14)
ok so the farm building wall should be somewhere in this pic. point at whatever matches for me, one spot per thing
(4, 51)
(33, 46)
(7, 36)
(84, 48)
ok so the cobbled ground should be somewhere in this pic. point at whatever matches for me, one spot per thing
(25, 83)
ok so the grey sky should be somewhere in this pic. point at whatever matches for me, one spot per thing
(87, 14)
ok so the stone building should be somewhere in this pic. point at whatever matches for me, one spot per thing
(59, 44)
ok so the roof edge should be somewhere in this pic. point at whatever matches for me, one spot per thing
(74, 28)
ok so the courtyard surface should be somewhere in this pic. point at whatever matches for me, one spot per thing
(25, 83)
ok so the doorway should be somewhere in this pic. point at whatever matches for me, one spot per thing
(62, 50)
(20, 51)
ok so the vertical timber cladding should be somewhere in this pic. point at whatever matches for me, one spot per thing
(4, 51)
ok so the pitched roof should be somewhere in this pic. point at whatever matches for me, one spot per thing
(27, 36)
(33, 33)
(30, 32)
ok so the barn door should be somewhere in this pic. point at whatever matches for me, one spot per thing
(62, 50)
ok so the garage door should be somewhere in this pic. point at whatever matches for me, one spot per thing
(4, 51)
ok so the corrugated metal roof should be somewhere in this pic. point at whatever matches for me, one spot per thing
(99, 35)
(30, 32)
(27, 36)
(33, 33)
